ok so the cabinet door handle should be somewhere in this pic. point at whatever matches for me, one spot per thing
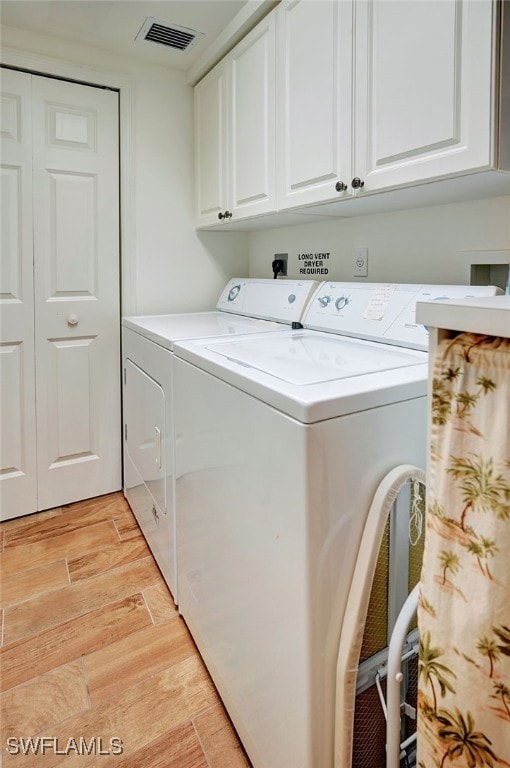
(340, 186)
(221, 216)
(228, 214)
(356, 183)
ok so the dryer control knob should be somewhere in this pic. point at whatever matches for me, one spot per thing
(324, 300)
(291, 298)
(341, 302)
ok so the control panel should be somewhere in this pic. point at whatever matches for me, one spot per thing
(381, 311)
(279, 300)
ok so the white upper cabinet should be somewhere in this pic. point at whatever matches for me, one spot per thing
(370, 95)
(211, 189)
(422, 89)
(314, 101)
(235, 132)
(252, 130)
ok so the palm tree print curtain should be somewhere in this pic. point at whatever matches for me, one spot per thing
(464, 605)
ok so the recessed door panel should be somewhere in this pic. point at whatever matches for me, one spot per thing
(18, 480)
(71, 127)
(414, 108)
(11, 242)
(71, 399)
(12, 433)
(10, 114)
(73, 207)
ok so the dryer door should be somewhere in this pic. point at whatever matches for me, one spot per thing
(144, 408)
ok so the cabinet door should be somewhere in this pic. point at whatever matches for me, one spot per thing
(211, 145)
(423, 89)
(314, 99)
(252, 111)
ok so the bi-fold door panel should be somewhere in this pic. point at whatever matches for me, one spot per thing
(18, 451)
(76, 291)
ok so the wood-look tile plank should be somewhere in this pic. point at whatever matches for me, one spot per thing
(66, 642)
(70, 544)
(114, 502)
(136, 716)
(127, 527)
(28, 520)
(42, 702)
(94, 563)
(71, 518)
(24, 585)
(160, 603)
(130, 660)
(35, 616)
(179, 748)
(219, 740)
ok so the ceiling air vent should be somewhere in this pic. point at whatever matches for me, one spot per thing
(171, 35)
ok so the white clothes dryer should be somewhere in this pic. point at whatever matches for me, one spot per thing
(245, 306)
(283, 440)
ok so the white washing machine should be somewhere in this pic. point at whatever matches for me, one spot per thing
(245, 306)
(282, 441)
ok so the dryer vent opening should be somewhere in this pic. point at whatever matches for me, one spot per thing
(170, 35)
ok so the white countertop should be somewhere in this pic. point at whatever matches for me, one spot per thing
(487, 315)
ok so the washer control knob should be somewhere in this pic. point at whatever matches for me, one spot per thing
(324, 300)
(232, 294)
(341, 302)
(291, 298)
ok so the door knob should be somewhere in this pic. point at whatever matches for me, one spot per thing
(356, 183)
(72, 320)
(340, 186)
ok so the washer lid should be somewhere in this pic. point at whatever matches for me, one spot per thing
(167, 329)
(306, 358)
(309, 375)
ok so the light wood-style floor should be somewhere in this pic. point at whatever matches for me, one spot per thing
(93, 647)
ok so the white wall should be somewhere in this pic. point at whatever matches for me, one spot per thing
(169, 252)
(420, 245)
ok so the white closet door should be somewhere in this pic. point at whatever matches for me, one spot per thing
(76, 257)
(18, 480)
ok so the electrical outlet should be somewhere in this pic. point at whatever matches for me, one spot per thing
(360, 262)
(282, 259)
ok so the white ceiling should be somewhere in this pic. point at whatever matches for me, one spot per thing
(114, 24)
